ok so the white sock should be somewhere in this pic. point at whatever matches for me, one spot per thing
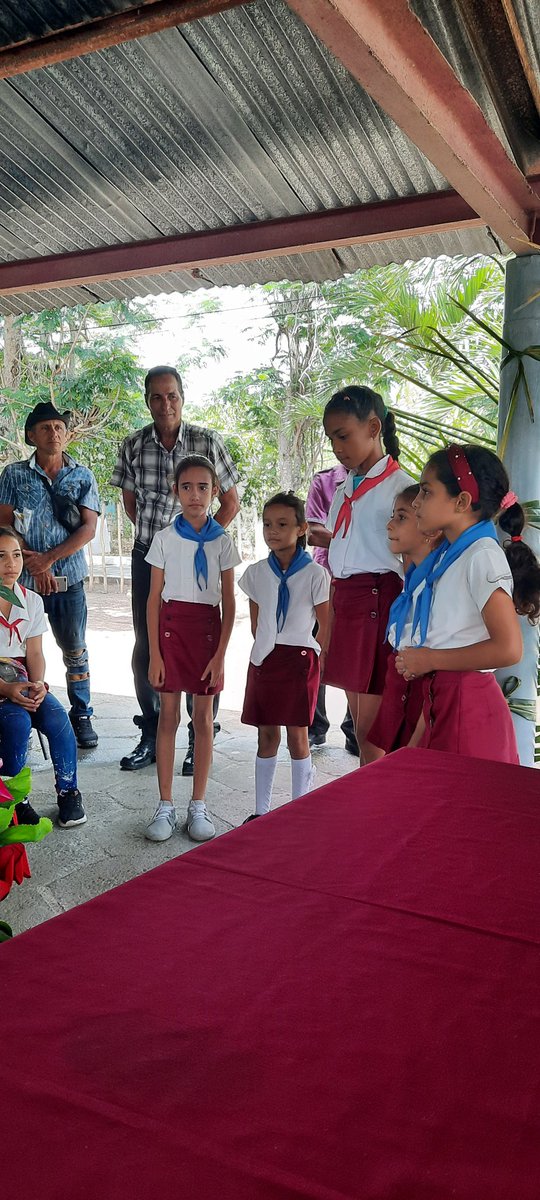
(301, 771)
(265, 769)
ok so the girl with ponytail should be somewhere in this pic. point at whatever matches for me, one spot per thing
(464, 623)
(366, 574)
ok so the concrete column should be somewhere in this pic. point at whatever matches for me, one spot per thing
(522, 457)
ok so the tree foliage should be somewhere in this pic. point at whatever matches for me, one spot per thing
(84, 360)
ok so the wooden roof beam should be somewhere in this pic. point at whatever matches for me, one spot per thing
(389, 52)
(433, 213)
(75, 40)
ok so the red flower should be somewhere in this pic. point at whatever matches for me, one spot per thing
(14, 865)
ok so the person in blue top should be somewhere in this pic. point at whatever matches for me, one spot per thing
(52, 502)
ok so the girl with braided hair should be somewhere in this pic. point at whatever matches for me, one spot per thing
(366, 574)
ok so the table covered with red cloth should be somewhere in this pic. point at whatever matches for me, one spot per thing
(339, 1001)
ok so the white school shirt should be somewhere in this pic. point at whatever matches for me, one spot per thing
(32, 622)
(365, 547)
(307, 587)
(459, 597)
(175, 556)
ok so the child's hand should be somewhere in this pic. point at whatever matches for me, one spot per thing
(16, 693)
(156, 671)
(37, 691)
(322, 663)
(214, 670)
(413, 661)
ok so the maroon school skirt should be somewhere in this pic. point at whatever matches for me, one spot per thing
(188, 638)
(358, 651)
(465, 712)
(283, 689)
(400, 709)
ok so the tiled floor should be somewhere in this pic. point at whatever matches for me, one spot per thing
(70, 867)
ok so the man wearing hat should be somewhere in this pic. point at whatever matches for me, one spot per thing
(52, 501)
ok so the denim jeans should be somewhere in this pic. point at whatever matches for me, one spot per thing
(52, 720)
(67, 617)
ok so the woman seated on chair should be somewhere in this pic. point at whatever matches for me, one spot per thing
(25, 700)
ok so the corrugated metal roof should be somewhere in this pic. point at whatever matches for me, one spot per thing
(240, 117)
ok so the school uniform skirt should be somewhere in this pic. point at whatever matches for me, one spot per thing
(188, 638)
(358, 651)
(283, 689)
(465, 712)
(399, 712)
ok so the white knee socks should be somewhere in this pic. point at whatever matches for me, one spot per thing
(301, 771)
(265, 769)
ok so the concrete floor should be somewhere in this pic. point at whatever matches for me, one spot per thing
(72, 866)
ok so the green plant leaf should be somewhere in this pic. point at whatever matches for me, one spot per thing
(20, 785)
(7, 594)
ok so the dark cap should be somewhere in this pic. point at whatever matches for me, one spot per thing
(45, 411)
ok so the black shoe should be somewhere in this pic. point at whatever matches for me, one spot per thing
(141, 756)
(70, 809)
(26, 815)
(217, 727)
(352, 747)
(187, 765)
(253, 817)
(317, 740)
(86, 736)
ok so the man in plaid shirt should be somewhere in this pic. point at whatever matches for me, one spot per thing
(145, 472)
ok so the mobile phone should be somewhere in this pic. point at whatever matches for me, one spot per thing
(61, 583)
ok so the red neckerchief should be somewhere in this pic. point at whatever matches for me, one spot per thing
(12, 626)
(345, 513)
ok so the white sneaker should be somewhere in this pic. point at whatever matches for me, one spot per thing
(199, 825)
(163, 823)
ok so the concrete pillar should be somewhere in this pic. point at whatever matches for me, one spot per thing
(522, 458)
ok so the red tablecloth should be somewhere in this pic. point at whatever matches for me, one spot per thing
(338, 1001)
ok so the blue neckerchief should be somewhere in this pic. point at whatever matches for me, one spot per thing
(301, 559)
(452, 551)
(209, 532)
(414, 576)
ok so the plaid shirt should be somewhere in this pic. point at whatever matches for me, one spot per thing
(30, 498)
(146, 468)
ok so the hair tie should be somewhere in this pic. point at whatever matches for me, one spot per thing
(461, 469)
(385, 411)
(508, 500)
(517, 539)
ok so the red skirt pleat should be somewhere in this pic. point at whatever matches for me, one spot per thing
(466, 713)
(188, 638)
(399, 711)
(358, 652)
(283, 689)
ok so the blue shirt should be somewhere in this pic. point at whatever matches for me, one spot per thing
(29, 496)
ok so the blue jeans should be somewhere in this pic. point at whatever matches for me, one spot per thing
(52, 720)
(67, 617)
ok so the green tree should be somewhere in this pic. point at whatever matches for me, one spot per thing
(83, 359)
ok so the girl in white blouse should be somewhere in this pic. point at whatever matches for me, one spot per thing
(190, 615)
(288, 594)
(366, 574)
(464, 623)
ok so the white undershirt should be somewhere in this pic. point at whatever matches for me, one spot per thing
(364, 548)
(175, 556)
(307, 587)
(33, 623)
